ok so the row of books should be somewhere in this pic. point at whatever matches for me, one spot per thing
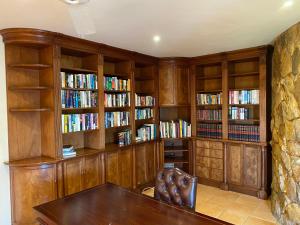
(173, 129)
(209, 130)
(88, 81)
(116, 100)
(116, 84)
(78, 99)
(79, 122)
(237, 113)
(244, 97)
(146, 133)
(68, 151)
(144, 100)
(209, 99)
(243, 133)
(116, 119)
(209, 114)
(141, 114)
(124, 138)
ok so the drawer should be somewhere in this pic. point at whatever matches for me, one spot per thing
(216, 153)
(216, 163)
(216, 145)
(202, 144)
(202, 172)
(216, 175)
(202, 152)
(203, 161)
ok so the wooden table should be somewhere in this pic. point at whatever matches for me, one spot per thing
(112, 205)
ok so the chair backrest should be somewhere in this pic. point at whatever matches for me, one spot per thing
(176, 187)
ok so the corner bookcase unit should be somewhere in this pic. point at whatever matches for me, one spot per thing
(30, 100)
(77, 62)
(122, 69)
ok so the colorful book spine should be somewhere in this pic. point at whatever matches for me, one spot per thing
(79, 122)
(141, 114)
(244, 133)
(124, 138)
(117, 100)
(173, 129)
(209, 99)
(116, 119)
(207, 114)
(86, 81)
(144, 100)
(209, 130)
(244, 97)
(116, 84)
(146, 133)
(78, 99)
(237, 113)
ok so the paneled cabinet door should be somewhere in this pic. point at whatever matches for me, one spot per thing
(112, 168)
(167, 85)
(182, 85)
(30, 187)
(125, 168)
(235, 164)
(73, 175)
(92, 173)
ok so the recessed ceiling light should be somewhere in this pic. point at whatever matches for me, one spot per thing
(75, 2)
(156, 38)
(288, 3)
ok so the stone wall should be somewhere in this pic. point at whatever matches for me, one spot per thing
(285, 127)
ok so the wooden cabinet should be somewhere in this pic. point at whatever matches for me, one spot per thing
(145, 163)
(209, 161)
(119, 167)
(174, 83)
(31, 186)
(82, 173)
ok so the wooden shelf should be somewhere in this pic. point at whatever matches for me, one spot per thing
(119, 127)
(78, 89)
(30, 88)
(74, 109)
(78, 70)
(242, 89)
(35, 161)
(176, 160)
(209, 77)
(210, 105)
(244, 121)
(115, 91)
(144, 120)
(175, 149)
(122, 76)
(169, 139)
(29, 66)
(82, 131)
(210, 91)
(209, 121)
(125, 108)
(29, 109)
(143, 142)
(243, 104)
(143, 107)
(255, 73)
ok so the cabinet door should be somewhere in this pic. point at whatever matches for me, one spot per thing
(31, 186)
(125, 168)
(111, 168)
(91, 171)
(252, 166)
(182, 86)
(73, 176)
(166, 85)
(235, 163)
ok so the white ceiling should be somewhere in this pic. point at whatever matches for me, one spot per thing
(186, 27)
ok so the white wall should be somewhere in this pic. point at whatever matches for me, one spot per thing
(4, 172)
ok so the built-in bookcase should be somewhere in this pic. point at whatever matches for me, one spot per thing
(145, 102)
(81, 99)
(30, 102)
(117, 71)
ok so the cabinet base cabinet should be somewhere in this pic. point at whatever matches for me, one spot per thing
(31, 186)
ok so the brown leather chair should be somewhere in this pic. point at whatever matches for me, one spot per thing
(176, 187)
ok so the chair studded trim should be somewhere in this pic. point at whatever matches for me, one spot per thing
(176, 187)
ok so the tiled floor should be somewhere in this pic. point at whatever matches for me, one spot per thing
(232, 207)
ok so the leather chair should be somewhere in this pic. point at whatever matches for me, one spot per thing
(176, 187)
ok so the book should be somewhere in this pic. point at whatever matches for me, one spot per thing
(79, 122)
(78, 99)
(209, 130)
(146, 132)
(87, 81)
(124, 138)
(116, 119)
(244, 133)
(144, 100)
(244, 97)
(141, 114)
(115, 84)
(178, 129)
(117, 100)
(209, 99)
(209, 114)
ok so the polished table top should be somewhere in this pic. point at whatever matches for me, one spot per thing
(109, 204)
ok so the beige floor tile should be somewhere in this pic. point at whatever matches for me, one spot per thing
(249, 200)
(223, 200)
(255, 221)
(209, 209)
(233, 217)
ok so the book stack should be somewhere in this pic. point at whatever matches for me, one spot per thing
(244, 97)
(209, 130)
(124, 138)
(78, 99)
(146, 133)
(116, 84)
(244, 132)
(87, 81)
(79, 122)
(209, 114)
(141, 114)
(116, 119)
(117, 100)
(169, 165)
(209, 99)
(144, 100)
(237, 113)
(68, 151)
(173, 129)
